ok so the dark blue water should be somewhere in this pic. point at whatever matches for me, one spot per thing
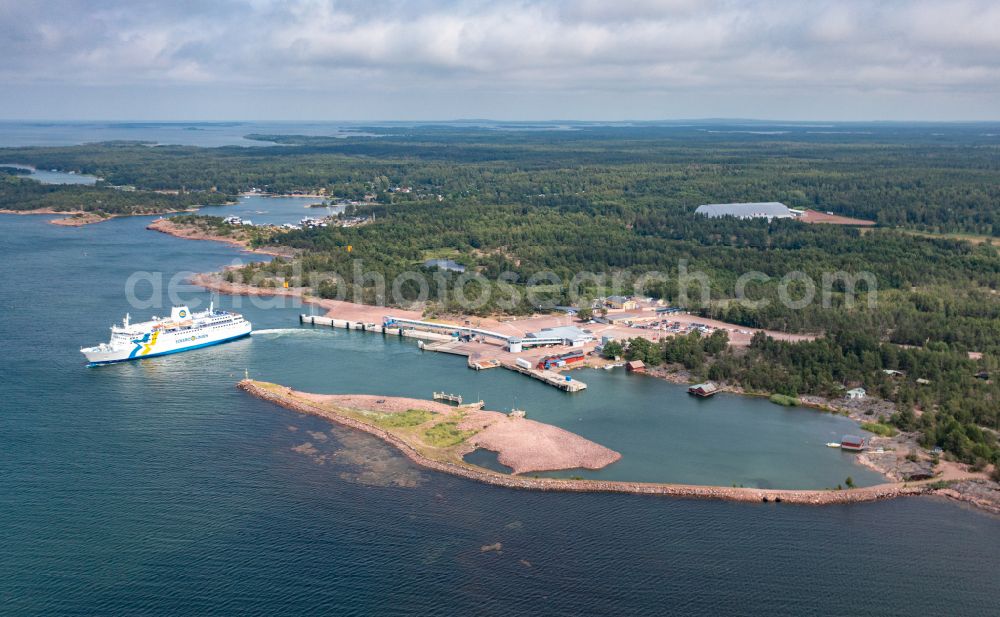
(158, 488)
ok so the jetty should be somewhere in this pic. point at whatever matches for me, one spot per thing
(451, 398)
(447, 338)
(553, 378)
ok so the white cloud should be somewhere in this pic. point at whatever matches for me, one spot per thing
(670, 46)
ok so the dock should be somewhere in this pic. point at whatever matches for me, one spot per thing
(552, 378)
(444, 343)
(451, 398)
(482, 365)
(345, 324)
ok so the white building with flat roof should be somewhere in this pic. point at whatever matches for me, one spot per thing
(570, 335)
(755, 210)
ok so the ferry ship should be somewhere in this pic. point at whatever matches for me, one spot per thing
(182, 331)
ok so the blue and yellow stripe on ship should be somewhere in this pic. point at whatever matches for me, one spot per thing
(144, 345)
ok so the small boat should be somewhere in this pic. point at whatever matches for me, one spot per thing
(852, 443)
(833, 444)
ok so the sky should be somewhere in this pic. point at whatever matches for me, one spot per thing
(502, 60)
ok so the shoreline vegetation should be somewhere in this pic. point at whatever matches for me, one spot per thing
(366, 414)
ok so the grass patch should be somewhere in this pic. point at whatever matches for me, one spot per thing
(410, 417)
(782, 399)
(440, 253)
(445, 434)
(973, 238)
(879, 429)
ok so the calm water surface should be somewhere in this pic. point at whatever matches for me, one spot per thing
(158, 488)
(46, 176)
(205, 134)
(272, 210)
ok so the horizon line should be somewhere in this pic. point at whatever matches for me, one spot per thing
(491, 120)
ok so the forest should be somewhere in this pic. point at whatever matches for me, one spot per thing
(20, 193)
(938, 178)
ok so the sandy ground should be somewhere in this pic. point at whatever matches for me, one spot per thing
(182, 231)
(738, 335)
(72, 218)
(489, 349)
(522, 444)
(41, 211)
(812, 216)
(81, 219)
(525, 445)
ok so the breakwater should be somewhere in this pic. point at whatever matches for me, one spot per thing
(806, 497)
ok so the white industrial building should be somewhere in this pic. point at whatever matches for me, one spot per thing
(568, 335)
(768, 209)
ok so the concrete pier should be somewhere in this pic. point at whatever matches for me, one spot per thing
(446, 343)
(552, 378)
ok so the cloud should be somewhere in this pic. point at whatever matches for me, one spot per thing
(672, 47)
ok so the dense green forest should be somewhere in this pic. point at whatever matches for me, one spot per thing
(619, 200)
(18, 193)
(934, 178)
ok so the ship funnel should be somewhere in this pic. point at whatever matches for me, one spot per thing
(179, 313)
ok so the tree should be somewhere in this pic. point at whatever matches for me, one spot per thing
(717, 342)
(613, 349)
(585, 314)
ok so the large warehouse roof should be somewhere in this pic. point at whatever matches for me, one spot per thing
(567, 333)
(768, 209)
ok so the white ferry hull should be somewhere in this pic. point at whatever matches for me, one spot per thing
(164, 341)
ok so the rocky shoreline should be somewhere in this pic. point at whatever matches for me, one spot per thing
(79, 218)
(168, 227)
(898, 457)
(748, 495)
